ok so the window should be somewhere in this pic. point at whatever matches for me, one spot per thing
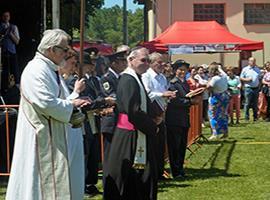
(208, 12)
(257, 13)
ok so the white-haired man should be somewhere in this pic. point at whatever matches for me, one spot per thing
(156, 86)
(130, 172)
(40, 167)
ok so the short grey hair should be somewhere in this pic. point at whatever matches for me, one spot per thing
(52, 38)
(154, 56)
(135, 51)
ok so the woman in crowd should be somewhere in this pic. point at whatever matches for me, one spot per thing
(266, 89)
(218, 101)
(234, 86)
(177, 118)
(202, 78)
(192, 81)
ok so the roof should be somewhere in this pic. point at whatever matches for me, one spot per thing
(200, 33)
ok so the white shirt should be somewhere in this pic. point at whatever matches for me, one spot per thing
(251, 72)
(219, 84)
(203, 80)
(155, 85)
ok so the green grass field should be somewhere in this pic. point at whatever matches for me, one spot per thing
(238, 168)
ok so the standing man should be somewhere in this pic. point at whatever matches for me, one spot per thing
(109, 83)
(131, 171)
(250, 76)
(156, 86)
(92, 124)
(40, 167)
(10, 38)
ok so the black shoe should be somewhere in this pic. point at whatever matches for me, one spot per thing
(91, 190)
(181, 175)
(255, 119)
(164, 178)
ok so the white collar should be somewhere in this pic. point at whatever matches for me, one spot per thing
(47, 60)
(152, 73)
(114, 73)
(87, 75)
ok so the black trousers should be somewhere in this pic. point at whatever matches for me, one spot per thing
(91, 149)
(107, 140)
(205, 110)
(177, 144)
(268, 107)
(10, 66)
(161, 141)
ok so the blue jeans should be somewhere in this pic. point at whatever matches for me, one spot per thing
(251, 101)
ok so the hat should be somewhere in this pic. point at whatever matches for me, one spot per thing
(118, 56)
(87, 58)
(179, 63)
(123, 48)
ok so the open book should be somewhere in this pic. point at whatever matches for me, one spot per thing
(195, 92)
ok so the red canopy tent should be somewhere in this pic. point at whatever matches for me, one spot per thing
(200, 35)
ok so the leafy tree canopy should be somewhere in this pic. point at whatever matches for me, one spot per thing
(107, 25)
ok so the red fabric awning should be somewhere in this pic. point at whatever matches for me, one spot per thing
(199, 33)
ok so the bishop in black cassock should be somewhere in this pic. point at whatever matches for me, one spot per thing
(124, 179)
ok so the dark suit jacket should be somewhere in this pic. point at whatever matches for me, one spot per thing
(109, 84)
(93, 91)
(177, 113)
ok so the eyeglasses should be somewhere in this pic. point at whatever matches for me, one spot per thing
(145, 60)
(65, 49)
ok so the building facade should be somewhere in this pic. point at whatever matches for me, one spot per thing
(248, 19)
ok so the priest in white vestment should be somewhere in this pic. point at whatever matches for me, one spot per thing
(40, 167)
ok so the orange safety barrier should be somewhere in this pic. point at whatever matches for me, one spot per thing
(8, 149)
(195, 130)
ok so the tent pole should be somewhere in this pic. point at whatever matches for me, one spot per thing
(170, 57)
(263, 53)
(81, 35)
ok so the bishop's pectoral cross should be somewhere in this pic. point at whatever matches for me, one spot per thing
(140, 150)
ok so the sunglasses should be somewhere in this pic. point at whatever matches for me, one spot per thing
(65, 49)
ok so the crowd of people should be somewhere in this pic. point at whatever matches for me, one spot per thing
(139, 104)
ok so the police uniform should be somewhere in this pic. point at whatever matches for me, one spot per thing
(92, 127)
(109, 84)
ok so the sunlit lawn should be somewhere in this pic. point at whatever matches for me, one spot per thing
(238, 168)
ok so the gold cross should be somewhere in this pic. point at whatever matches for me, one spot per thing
(140, 150)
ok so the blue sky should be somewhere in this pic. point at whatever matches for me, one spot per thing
(130, 5)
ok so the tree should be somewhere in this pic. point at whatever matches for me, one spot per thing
(107, 25)
(70, 13)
